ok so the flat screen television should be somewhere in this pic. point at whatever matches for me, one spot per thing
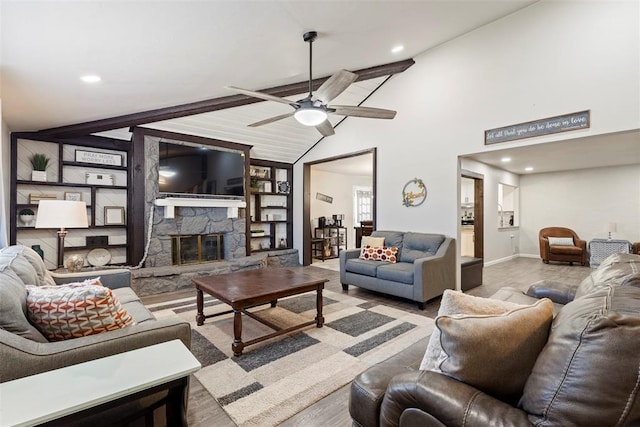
(186, 169)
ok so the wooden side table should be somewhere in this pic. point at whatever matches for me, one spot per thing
(69, 393)
(600, 249)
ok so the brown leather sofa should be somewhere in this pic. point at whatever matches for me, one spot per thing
(586, 375)
(577, 252)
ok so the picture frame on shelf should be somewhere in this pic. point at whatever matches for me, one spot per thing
(114, 215)
(283, 187)
(75, 196)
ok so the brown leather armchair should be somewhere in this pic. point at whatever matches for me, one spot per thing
(566, 253)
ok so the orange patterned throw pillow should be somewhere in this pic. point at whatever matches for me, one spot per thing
(379, 253)
(75, 310)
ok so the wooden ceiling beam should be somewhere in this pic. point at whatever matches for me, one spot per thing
(206, 106)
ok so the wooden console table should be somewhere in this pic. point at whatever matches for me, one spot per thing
(68, 394)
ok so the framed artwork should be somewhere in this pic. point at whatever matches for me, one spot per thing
(324, 197)
(114, 215)
(72, 195)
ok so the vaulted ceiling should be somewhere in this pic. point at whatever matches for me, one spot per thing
(153, 55)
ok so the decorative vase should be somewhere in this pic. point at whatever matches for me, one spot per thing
(38, 250)
(27, 220)
(75, 263)
(39, 176)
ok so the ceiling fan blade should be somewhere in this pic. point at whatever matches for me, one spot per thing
(325, 128)
(370, 112)
(271, 119)
(335, 85)
(260, 95)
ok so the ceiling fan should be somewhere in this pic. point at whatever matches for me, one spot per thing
(313, 110)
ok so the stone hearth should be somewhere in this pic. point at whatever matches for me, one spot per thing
(155, 280)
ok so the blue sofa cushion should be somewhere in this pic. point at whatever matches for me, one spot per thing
(399, 272)
(419, 245)
(391, 238)
(362, 266)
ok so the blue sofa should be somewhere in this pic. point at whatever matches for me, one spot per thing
(426, 267)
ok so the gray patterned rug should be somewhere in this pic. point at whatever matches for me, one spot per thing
(277, 378)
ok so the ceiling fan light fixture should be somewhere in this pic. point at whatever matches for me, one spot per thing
(166, 172)
(310, 116)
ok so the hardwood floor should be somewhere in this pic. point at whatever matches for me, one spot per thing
(333, 411)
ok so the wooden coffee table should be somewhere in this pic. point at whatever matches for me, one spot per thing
(245, 289)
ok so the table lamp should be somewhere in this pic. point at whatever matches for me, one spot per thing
(61, 214)
(611, 227)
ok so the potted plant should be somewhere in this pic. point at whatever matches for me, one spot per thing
(253, 183)
(27, 216)
(39, 162)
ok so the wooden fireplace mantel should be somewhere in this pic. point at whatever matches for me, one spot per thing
(170, 203)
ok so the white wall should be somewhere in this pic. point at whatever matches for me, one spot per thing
(583, 200)
(548, 59)
(340, 187)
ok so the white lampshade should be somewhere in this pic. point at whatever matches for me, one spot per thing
(309, 116)
(62, 214)
(611, 227)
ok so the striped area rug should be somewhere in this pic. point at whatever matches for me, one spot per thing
(277, 378)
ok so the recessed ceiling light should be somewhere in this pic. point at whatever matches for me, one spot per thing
(90, 78)
(528, 168)
(505, 159)
(397, 49)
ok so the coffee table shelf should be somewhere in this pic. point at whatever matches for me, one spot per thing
(86, 386)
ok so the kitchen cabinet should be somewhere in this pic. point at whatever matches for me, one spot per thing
(467, 240)
(466, 191)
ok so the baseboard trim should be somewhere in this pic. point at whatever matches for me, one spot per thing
(530, 255)
(498, 261)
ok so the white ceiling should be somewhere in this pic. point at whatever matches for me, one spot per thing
(156, 54)
(361, 165)
(615, 149)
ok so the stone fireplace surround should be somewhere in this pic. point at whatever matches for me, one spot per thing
(158, 274)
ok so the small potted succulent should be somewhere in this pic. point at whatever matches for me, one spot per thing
(253, 183)
(39, 162)
(27, 216)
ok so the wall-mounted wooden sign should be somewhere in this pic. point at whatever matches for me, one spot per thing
(564, 123)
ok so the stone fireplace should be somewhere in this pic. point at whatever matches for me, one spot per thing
(187, 221)
(179, 219)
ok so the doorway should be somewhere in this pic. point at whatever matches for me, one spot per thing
(330, 209)
(472, 214)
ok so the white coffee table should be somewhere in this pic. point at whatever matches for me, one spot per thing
(86, 386)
